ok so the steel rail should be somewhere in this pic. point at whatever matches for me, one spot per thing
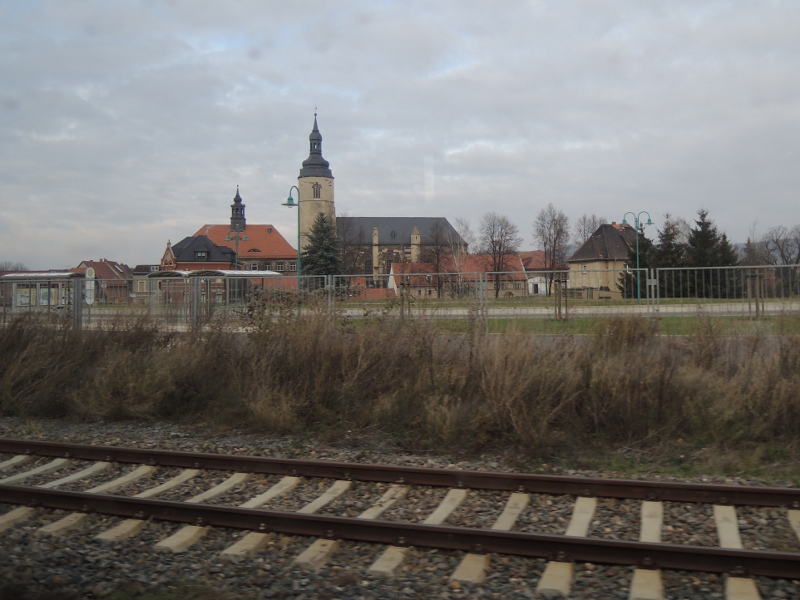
(543, 484)
(563, 548)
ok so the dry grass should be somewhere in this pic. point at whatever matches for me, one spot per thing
(620, 385)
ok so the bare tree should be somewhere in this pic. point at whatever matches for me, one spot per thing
(782, 245)
(551, 231)
(437, 247)
(459, 251)
(7, 265)
(585, 226)
(353, 246)
(437, 252)
(499, 240)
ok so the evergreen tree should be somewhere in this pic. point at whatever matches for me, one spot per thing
(706, 248)
(322, 255)
(670, 251)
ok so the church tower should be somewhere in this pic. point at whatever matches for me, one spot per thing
(316, 187)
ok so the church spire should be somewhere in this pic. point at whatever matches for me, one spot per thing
(237, 213)
(315, 165)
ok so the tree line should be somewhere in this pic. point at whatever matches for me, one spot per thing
(676, 244)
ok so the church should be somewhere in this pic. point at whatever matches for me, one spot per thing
(370, 245)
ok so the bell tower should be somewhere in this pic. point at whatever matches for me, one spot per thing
(315, 183)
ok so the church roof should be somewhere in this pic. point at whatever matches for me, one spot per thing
(393, 230)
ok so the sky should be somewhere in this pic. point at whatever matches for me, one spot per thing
(128, 123)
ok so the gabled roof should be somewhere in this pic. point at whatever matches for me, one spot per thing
(608, 242)
(400, 268)
(106, 269)
(145, 269)
(185, 250)
(392, 230)
(533, 260)
(262, 241)
(481, 263)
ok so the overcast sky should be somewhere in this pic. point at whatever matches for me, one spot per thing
(124, 124)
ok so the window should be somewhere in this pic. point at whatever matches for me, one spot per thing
(317, 189)
(141, 286)
(254, 266)
(201, 255)
(279, 266)
(293, 266)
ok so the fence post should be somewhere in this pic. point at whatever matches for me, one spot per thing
(77, 303)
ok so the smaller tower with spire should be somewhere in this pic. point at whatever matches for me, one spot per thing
(238, 223)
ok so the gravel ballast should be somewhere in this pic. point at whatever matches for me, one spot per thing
(78, 565)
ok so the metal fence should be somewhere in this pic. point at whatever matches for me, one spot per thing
(179, 300)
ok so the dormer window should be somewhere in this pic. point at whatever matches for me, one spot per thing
(201, 255)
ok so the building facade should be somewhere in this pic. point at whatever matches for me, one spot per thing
(596, 267)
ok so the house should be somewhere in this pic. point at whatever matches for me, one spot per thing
(533, 262)
(595, 268)
(113, 280)
(141, 283)
(421, 279)
(415, 279)
(197, 252)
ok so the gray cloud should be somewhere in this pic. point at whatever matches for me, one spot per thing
(123, 125)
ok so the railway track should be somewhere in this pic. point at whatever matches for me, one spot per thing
(335, 502)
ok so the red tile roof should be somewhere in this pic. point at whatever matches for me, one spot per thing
(263, 241)
(533, 260)
(105, 269)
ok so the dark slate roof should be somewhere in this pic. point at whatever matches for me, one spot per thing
(392, 230)
(315, 165)
(608, 242)
(184, 250)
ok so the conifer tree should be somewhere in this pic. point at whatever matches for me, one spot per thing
(322, 255)
(670, 250)
(706, 248)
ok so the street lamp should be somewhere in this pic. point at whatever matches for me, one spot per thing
(291, 204)
(637, 226)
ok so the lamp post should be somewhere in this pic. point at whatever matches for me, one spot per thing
(238, 226)
(291, 204)
(235, 262)
(636, 226)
